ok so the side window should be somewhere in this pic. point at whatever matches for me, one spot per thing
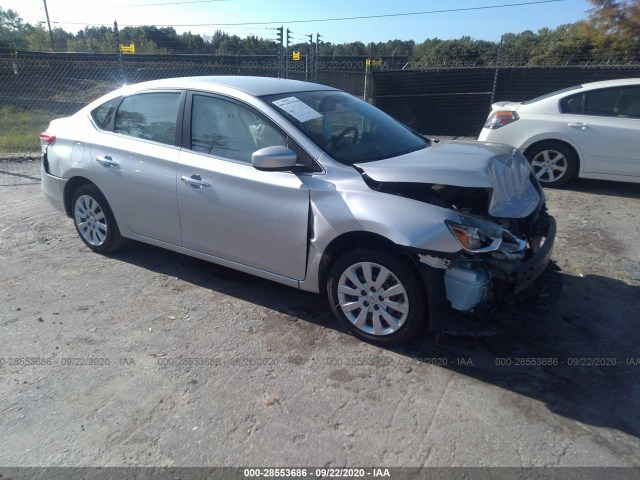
(614, 102)
(304, 159)
(630, 101)
(603, 103)
(229, 130)
(150, 116)
(572, 104)
(103, 114)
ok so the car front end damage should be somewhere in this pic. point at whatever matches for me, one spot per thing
(496, 269)
(496, 216)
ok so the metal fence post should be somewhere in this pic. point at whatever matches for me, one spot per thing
(366, 82)
(116, 34)
(495, 77)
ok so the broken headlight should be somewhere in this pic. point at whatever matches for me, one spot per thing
(479, 236)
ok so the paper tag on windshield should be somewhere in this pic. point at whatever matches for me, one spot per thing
(297, 109)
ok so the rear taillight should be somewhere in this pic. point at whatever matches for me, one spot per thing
(46, 140)
(500, 119)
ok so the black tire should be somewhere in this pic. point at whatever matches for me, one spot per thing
(94, 220)
(394, 326)
(553, 163)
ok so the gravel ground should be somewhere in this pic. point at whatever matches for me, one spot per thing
(199, 365)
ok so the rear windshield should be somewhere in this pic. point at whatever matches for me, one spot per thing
(557, 92)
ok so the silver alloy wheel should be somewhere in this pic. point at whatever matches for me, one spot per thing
(549, 166)
(90, 220)
(373, 299)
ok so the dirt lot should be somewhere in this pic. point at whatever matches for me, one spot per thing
(199, 365)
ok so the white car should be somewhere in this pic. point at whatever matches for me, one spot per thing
(589, 131)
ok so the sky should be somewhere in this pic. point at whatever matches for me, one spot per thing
(207, 16)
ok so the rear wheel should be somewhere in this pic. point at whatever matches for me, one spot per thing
(377, 296)
(553, 163)
(95, 222)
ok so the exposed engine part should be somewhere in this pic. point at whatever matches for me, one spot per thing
(435, 262)
(466, 286)
(473, 201)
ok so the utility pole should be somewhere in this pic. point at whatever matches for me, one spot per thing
(317, 49)
(116, 34)
(46, 11)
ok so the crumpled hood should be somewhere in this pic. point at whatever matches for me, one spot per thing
(466, 164)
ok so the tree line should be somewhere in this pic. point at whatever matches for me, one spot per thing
(611, 32)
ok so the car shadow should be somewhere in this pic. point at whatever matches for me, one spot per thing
(581, 360)
(604, 187)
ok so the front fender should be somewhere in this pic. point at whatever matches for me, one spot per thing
(403, 221)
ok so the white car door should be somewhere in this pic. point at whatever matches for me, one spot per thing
(230, 210)
(608, 131)
(136, 165)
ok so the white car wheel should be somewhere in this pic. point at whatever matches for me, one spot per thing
(553, 163)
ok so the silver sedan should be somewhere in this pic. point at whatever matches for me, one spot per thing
(308, 186)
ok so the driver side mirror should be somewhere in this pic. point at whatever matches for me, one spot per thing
(274, 159)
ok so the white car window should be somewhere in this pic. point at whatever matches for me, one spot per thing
(608, 102)
(604, 103)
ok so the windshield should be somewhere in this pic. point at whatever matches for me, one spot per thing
(348, 129)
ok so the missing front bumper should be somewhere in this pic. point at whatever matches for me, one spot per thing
(525, 286)
(524, 275)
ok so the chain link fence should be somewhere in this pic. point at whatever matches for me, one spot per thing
(38, 87)
(456, 101)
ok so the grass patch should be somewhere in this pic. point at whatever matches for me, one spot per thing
(19, 128)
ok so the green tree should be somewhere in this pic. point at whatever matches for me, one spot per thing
(12, 30)
(568, 44)
(615, 27)
(37, 38)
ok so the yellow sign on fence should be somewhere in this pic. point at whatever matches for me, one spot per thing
(296, 56)
(128, 48)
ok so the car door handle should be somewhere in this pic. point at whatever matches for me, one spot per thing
(195, 181)
(581, 126)
(106, 161)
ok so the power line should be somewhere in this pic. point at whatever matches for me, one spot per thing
(162, 3)
(337, 19)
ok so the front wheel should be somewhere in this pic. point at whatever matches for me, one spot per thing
(95, 222)
(378, 296)
(553, 163)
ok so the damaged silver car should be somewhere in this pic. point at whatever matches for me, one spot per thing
(308, 186)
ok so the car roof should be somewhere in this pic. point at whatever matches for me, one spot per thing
(256, 86)
(611, 83)
(551, 99)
